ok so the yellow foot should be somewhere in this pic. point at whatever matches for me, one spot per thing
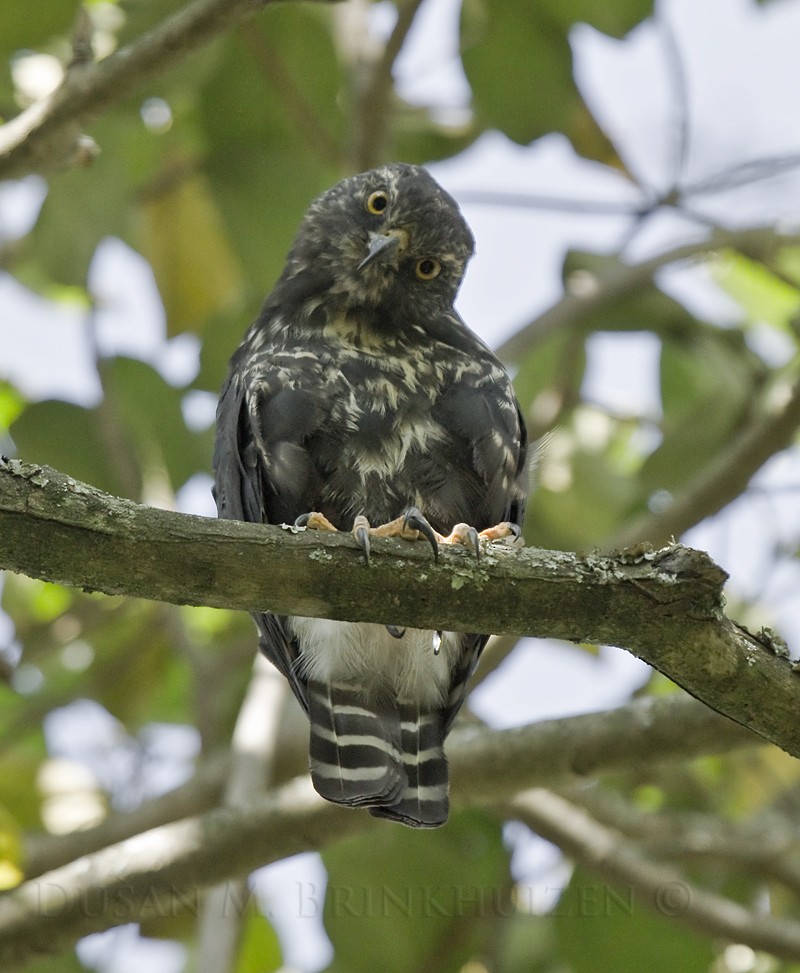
(314, 521)
(411, 526)
(467, 536)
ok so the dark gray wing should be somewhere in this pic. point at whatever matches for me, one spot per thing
(483, 416)
(239, 491)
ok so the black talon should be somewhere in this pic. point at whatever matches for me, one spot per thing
(361, 535)
(475, 541)
(395, 631)
(414, 518)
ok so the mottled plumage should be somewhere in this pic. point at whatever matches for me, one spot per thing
(360, 391)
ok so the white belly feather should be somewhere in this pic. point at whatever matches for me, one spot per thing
(367, 656)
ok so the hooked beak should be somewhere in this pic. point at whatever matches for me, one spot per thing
(385, 247)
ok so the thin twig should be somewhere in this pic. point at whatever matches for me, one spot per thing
(372, 104)
(306, 121)
(724, 476)
(559, 204)
(677, 74)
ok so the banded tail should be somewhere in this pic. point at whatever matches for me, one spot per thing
(387, 757)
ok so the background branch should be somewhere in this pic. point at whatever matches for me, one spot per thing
(661, 887)
(155, 872)
(44, 136)
(727, 474)
(255, 739)
(372, 109)
(579, 746)
(765, 845)
(573, 309)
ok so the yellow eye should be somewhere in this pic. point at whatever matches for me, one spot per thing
(377, 202)
(428, 268)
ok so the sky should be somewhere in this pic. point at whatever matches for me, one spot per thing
(742, 76)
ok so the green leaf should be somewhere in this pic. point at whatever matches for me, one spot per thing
(601, 929)
(762, 295)
(65, 436)
(11, 406)
(134, 167)
(29, 26)
(136, 674)
(707, 387)
(149, 409)
(67, 962)
(590, 505)
(195, 267)
(222, 335)
(11, 864)
(272, 131)
(20, 804)
(419, 139)
(517, 59)
(137, 433)
(395, 896)
(260, 950)
(526, 944)
(85, 204)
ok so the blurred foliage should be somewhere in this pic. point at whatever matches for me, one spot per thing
(604, 930)
(206, 172)
(437, 901)
(541, 96)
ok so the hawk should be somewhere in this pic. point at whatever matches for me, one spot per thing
(359, 400)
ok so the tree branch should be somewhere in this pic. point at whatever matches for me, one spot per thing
(573, 309)
(661, 887)
(663, 606)
(253, 751)
(727, 474)
(765, 845)
(579, 746)
(44, 136)
(156, 872)
(372, 104)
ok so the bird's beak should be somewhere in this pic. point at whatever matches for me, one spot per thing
(385, 247)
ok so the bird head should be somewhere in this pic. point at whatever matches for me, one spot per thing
(390, 242)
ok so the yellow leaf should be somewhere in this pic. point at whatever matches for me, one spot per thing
(10, 852)
(184, 239)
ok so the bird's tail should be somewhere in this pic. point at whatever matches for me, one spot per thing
(389, 759)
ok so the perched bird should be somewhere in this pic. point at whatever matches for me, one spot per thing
(359, 400)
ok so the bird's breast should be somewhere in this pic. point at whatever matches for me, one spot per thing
(389, 414)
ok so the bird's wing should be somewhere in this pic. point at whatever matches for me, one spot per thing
(246, 489)
(489, 481)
